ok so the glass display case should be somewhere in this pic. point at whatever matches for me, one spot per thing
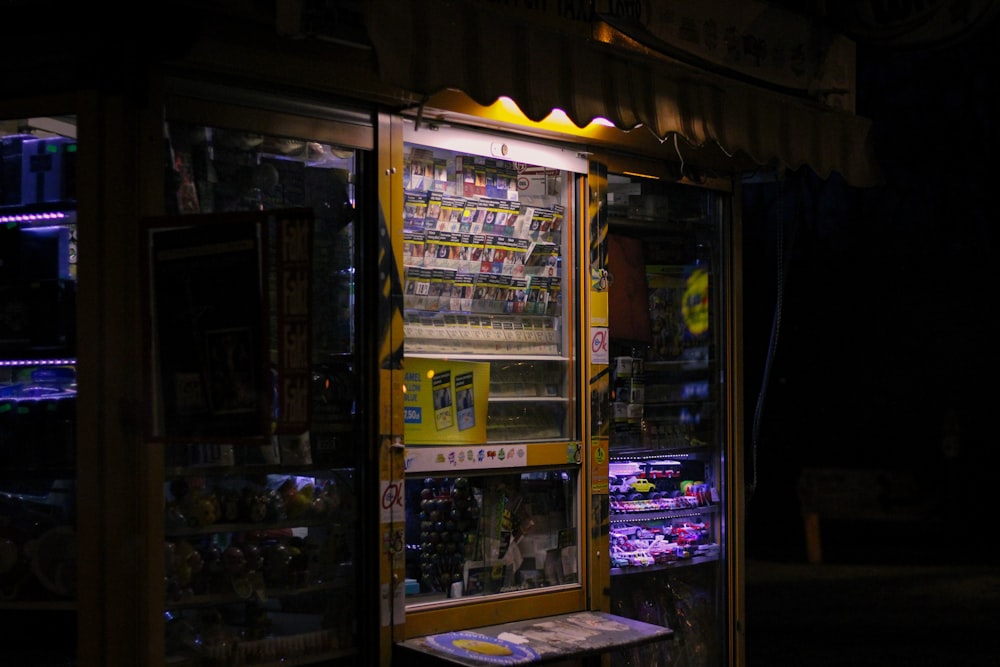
(256, 373)
(38, 388)
(493, 481)
(668, 439)
(476, 535)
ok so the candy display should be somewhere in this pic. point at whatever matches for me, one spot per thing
(449, 525)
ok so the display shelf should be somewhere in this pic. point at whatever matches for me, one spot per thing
(472, 334)
(645, 539)
(679, 446)
(258, 594)
(528, 398)
(469, 349)
(524, 421)
(664, 404)
(665, 445)
(245, 545)
(260, 524)
(38, 396)
(485, 244)
(187, 531)
(307, 648)
(483, 251)
(237, 471)
(39, 211)
(638, 514)
(636, 570)
(490, 532)
(666, 442)
(38, 389)
(423, 602)
(491, 357)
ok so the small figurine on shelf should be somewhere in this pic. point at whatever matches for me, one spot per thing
(253, 505)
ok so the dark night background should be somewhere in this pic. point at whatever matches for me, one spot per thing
(888, 303)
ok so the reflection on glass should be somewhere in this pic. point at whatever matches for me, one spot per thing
(38, 389)
(261, 540)
(666, 476)
(483, 246)
(483, 535)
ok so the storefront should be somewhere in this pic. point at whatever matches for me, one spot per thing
(324, 343)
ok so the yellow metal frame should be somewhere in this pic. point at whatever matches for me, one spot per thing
(506, 607)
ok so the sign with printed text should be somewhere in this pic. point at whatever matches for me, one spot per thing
(445, 401)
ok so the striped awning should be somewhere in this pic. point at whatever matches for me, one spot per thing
(428, 46)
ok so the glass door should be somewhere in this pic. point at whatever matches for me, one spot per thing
(257, 374)
(38, 389)
(667, 481)
(493, 483)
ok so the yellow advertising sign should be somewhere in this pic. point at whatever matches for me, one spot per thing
(444, 401)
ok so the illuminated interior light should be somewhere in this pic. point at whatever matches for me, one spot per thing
(41, 229)
(37, 362)
(641, 175)
(32, 217)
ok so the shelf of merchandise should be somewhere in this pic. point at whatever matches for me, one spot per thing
(38, 391)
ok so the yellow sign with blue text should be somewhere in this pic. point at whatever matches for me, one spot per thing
(444, 401)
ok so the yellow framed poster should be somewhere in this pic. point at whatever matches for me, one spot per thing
(445, 401)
